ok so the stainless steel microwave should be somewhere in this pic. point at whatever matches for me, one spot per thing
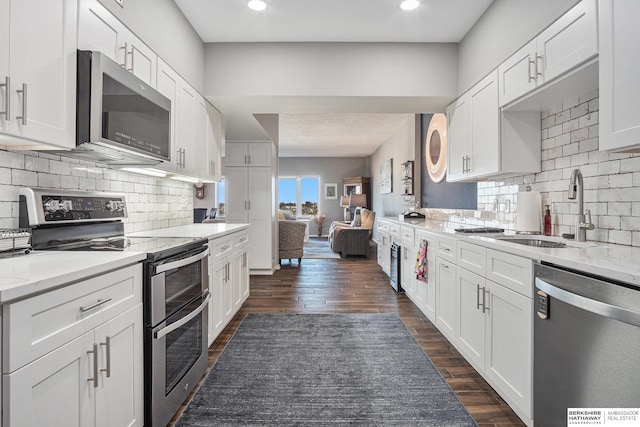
(121, 120)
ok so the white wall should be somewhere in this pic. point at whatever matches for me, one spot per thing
(151, 202)
(330, 170)
(400, 148)
(330, 69)
(506, 26)
(163, 27)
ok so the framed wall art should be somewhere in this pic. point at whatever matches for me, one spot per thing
(386, 177)
(331, 191)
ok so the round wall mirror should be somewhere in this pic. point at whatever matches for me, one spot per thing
(436, 147)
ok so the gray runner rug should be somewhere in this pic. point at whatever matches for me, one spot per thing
(324, 369)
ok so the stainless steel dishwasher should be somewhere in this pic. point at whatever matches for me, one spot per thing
(586, 344)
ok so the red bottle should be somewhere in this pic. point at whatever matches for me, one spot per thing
(547, 221)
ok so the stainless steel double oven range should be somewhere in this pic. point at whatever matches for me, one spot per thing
(175, 294)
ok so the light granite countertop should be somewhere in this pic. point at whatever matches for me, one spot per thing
(617, 262)
(205, 230)
(40, 271)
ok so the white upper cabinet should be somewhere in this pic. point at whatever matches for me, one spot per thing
(619, 65)
(485, 142)
(248, 154)
(99, 30)
(38, 71)
(565, 44)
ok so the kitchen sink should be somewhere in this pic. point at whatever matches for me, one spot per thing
(538, 243)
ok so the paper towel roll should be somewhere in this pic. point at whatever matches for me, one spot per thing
(529, 212)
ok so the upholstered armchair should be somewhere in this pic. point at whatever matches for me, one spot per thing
(335, 237)
(291, 240)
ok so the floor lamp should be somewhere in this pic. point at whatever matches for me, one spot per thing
(344, 202)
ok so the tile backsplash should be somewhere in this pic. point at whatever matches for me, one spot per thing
(151, 202)
(570, 141)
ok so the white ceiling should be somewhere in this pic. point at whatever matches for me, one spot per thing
(328, 126)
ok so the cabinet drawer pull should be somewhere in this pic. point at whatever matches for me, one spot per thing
(94, 305)
(531, 77)
(23, 117)
(7, 101)
(484, 300)
(478, 297)
(95, 365)
(538, 73)
(107, 344)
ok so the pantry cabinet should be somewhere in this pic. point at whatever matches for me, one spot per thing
(485, 142)
(99, 30)
(76, 353)
(38, 45)
(251, 201)
(619, 65)
(565, 44)
(248, 154)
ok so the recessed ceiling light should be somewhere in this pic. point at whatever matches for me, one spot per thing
(409, 4)
(257, 5)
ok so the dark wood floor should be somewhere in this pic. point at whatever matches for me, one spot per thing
(358, 285)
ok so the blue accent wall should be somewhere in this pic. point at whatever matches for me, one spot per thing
(442, 195)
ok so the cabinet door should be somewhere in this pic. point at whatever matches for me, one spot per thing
(446, 298)
(244, 276)
(119, 401)
(5, 95)
(238, 270)
(259, 209)
(139, 58)
(619, 65)
(214, 141)
(42, 60)
(168, 84)
(470, 316)
(509, 346)
(203, 166)
(485, 128)
(236, 201)
(459, 138)
(517, 75)
(236, 154)
(407, 277)
(216, 310)
(54, 390)
(567, 42)
(259, 154)
(99, 30)
(186, 127)
(429, 304)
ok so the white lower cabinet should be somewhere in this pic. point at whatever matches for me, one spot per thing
(96, 377)
(407, 275)
(228, 279)
(446, 298)
(470, 316)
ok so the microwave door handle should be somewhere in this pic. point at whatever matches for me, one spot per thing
(164, 331)
(181, 263)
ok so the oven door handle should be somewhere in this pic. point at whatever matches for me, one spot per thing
(181, 263)
(164, 331)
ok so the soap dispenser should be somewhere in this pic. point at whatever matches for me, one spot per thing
(547, 221)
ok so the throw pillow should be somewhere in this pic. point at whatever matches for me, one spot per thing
(289, 215)
(281, 215)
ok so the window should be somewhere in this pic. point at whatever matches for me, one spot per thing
(220, 197)
(299, 195)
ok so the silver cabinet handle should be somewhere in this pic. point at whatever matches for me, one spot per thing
(531, 77)
(246, 159)
(95, 365)
(484, 300)
(538, 73)
(23, 117)
(249, 204)
(162, 332)
(94, 305)
(478, 297)
(126, 54)
(107, 344)
(249, 158)
(132, 59)
(445, 266)
(464, 164)
(7, 101)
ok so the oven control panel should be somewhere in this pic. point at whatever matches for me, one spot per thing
(45, 206)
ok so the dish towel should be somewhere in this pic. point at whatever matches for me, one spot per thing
(421, 261)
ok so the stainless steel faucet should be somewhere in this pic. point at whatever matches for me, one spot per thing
(576, 190)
